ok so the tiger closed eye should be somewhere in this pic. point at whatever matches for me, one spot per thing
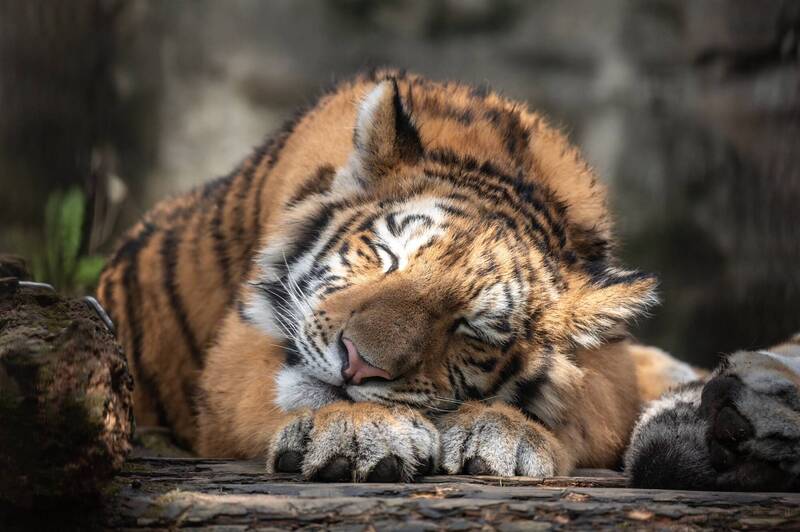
(469, 331)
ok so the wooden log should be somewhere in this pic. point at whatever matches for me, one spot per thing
(215, 494)
(66, 416)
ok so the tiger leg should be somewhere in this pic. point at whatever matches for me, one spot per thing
(739, 431)
(499, 439)
(345, 441)
(579, 415)
(237, 409)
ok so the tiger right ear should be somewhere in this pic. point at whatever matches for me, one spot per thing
(384, 134)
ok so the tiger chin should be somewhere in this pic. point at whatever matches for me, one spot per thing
(412, 277)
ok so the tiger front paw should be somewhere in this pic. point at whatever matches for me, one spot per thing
(497, 440)
(355, 442)
(753, 413)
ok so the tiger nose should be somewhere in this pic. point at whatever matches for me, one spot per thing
(354, 368)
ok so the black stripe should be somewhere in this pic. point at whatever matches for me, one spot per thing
(372, 248)
(318, 356)
(391, 223)
(485, 189)
(588, 244)
(130, 251)
(528, 193)
(211, 190)
(511, 368)
(453, 211)
(310, 231)
(333, 289)
(470, 391)
(453, 384)
(529, 390)
(406, 136)
(367, 224)
(481, 91)
(244, 189)
(169, 258)
(277, 296)
(343, 251)
(515, 135)
(317, 184)
(336, 237)
(215, 226)
(525, 191)
(317, 273)
(439, 109)
(484, 365)
(604, 276)
(426, 221)
(292, 353)
(313, 230)
(500, 325)
(395, 263)
(256, 237)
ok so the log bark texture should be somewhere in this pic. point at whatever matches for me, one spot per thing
(66, 416)
(156, 493)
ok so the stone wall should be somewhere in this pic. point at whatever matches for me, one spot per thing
(689, 109)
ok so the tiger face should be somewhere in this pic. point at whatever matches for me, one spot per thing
(426, 278)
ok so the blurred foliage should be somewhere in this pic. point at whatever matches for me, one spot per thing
(60, 261)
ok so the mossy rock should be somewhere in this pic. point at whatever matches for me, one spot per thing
(65, 399)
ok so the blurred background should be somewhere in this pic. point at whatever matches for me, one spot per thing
(689, 109)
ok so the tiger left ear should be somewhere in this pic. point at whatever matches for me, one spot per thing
(596, 308)
(384, 135)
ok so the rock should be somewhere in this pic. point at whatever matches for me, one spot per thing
(66, 415)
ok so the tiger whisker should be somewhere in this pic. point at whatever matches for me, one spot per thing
(298, 291)
(287, 322)
(287, 348)
(290, 293)
(460, 402)
(275, 294)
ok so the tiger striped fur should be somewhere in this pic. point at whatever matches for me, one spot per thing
(412, 276)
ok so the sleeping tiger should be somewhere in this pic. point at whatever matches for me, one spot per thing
(417, 277)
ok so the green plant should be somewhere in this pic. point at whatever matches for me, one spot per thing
(60, 262)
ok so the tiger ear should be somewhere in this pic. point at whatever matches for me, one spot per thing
(608, 297)
(384, 134)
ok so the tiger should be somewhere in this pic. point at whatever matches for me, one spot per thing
(411, 277)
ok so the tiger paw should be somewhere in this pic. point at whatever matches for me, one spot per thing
(753, 413)
(356, 442)
(497, 440)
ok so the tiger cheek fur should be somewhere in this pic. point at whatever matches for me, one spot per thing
(408, 265)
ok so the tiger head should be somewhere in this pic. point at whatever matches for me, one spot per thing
(447, 261)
